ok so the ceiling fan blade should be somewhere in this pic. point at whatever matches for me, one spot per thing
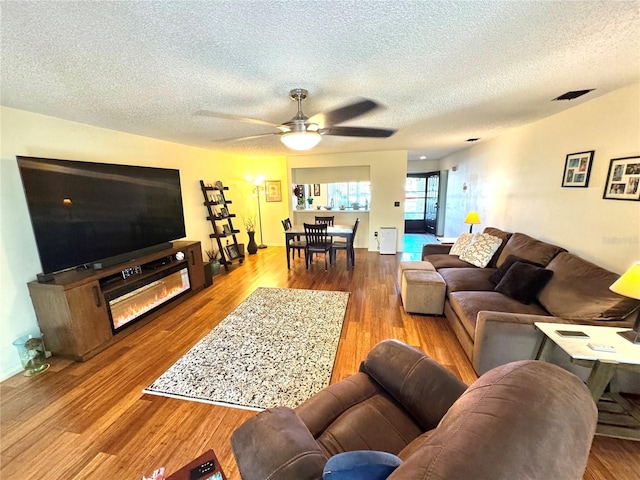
(358, 132)
(242, 139)
(227, 116)
(342, 114)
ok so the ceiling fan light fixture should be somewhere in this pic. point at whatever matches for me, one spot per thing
(300, 140)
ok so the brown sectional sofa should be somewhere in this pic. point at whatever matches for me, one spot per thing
(495, 329)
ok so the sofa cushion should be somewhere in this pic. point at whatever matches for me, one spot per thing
(579, 290)
(359, 428)
(468, 279)
(461, 243)
(523, 281)
(466, 306)
(530, 249)
(443, 260)
(505, 236)
(481, 250)
(497, 275)
(433, 249)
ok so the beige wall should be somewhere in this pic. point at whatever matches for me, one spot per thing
(24, 133)
(423, 166)
(387, 173)
(514, 181)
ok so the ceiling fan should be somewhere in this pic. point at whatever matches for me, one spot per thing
(304, 133)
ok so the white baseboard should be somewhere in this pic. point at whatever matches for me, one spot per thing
(8, 371)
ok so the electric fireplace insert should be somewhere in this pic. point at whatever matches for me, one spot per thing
(138, 298)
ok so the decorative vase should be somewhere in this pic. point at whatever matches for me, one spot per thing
(32, 354)
(252, 246)
(215, 267)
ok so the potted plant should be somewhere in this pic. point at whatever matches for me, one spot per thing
(214, 263)
(298, 191)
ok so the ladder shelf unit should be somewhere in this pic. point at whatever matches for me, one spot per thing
(222, 223)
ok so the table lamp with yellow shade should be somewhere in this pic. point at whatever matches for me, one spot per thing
(472, 218)
(628, 285)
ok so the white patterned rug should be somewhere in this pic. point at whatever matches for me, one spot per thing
(277, 348)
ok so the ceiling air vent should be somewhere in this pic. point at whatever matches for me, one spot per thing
(572, 95)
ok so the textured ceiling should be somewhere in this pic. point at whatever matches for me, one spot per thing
(446, 71)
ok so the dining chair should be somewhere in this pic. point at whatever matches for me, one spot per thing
(328, 220)
(341, 243)
(317, 242)
(325, 220)
(296, 244)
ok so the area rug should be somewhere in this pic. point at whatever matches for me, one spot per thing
(277, 348)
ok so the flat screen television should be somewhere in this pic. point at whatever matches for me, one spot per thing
(86, 213)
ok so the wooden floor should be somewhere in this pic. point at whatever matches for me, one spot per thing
(90, 420)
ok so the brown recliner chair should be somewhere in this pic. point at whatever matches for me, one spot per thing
(523, 420)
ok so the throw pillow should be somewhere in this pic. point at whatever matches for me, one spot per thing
(481, 249)
(360, 465)
(496, 276)
(461, 244)
(523, 281)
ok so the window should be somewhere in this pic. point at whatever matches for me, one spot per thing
(348, 194)
(415, 198)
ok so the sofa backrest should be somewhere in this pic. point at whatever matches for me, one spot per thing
(421, 385)
(526, 419)
(579, 290)
(524, 246)
(501, 234)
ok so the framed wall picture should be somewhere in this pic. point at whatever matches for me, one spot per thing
(273, 191)
(316, 189)
(577, 168)
(232, 251)
(623, 179)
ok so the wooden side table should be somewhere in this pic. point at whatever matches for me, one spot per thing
(185, 472)
(616, 416)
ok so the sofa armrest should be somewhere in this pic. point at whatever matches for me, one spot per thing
(276, 444)
(435, 248)
(421, 385)
(502, 337)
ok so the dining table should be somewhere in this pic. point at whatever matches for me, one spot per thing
(345, 231)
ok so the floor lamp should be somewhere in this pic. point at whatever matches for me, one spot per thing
(256, 190)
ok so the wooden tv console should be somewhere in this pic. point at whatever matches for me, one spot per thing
(72, 310)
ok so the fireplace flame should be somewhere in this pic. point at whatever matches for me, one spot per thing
(134, 304)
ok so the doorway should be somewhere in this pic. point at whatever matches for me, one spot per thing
(421, 202)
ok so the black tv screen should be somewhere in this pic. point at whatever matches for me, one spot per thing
(83, 212)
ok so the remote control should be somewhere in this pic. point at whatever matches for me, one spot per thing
(201, 470)
(600, 347)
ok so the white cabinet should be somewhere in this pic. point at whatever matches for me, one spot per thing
(388, 240)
